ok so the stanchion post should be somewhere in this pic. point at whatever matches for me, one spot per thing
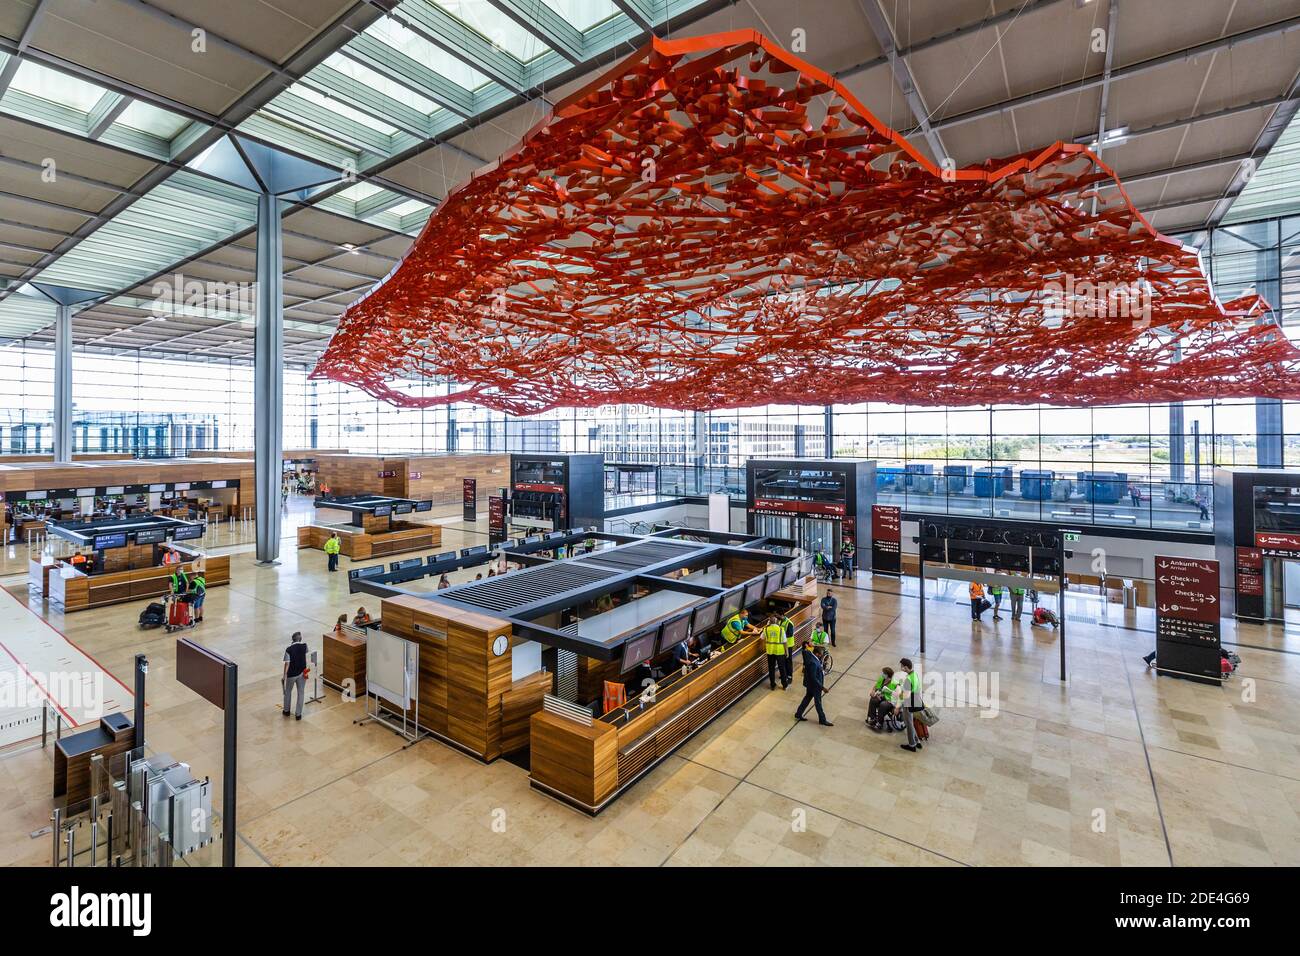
(56, 819)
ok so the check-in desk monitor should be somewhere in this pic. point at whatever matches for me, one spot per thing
(753, 592)
(772, 582)
(731, 602)
(706, 616)
(790, 573)
(639, 648)
(151, 536)
(673, 632)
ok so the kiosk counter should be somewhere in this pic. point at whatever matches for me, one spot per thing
(122, 561)
(551, 657)
(376, 527)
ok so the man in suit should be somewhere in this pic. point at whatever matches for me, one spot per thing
(814, 682)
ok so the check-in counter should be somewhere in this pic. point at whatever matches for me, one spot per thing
(359, 544)
(586, 764)
(344, 664)
(79, 591)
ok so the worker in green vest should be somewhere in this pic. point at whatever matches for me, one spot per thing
(179, 580)
(738, 626)
(777, 659)
(819, 635)
(787, 629)
(332, 548)
(198, 591)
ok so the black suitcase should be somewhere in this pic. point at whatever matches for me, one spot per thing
(155, 615)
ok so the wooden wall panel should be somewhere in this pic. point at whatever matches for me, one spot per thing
(34, 476)
(738, 570)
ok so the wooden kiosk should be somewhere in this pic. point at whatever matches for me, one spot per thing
(124, 561)
(520, 661)
(377, 527)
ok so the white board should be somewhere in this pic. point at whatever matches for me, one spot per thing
(388, 667)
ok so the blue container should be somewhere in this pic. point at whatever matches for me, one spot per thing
(1036, 485)
(1104, 487)
(956, 477)
(890, 479)
(989, 482)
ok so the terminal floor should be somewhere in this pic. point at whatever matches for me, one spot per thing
(1117, 767)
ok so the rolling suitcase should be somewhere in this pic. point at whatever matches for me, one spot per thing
(178, 614)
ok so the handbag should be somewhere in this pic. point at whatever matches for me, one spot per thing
(928, 716)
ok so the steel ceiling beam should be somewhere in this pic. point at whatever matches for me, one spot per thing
(1268, 136)
(906, 82)
(547, 26)
(1122, 73)
(1030, 6)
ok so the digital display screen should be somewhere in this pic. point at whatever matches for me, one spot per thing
(731, 603)
(424, 505)
(706, 615)
(405, 564)
(374, 571)
(532, 539)
(157, 488)
(639, 648)
(753, 592)
(218, 484)
(115, 540)
(470, 552)
(188, 531)
(85, 492)
(673, 632)
(772, 583)
(151, 536)
(445, 556)
(120, 490)
(403, 508)
(181, 486)
(555, 534)
(790, 573)
(383, 511)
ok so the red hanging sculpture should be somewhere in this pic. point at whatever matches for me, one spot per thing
(714, 223)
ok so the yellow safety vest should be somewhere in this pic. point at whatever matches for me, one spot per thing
(331, 546)
(730, 633)
(774, 639)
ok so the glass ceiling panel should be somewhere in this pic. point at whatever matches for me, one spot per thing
(358, 192)
(583, 14)
(36, 80)
(1275, 188)
(425, 53)
(176, 220)
(341, 109)
(381, 84)
(150, 119)
(406, 208)
(488, 21)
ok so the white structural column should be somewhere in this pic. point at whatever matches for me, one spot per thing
(63, 384)
(268, 377)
